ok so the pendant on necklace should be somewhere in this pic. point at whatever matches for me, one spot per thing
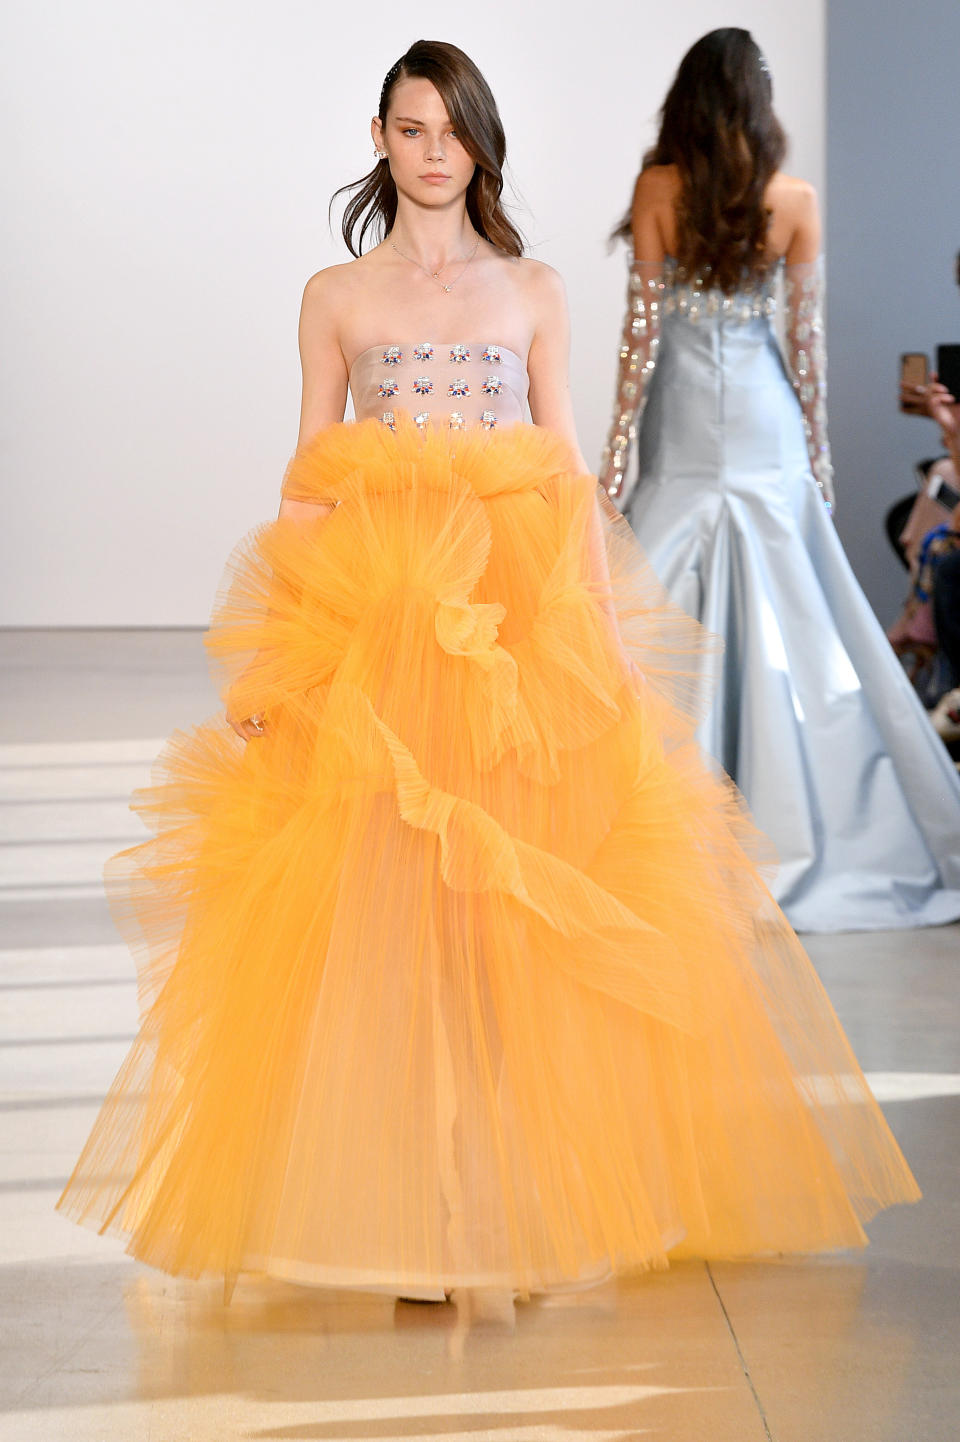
(446, 287)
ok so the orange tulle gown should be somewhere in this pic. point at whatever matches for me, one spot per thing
(464, 973)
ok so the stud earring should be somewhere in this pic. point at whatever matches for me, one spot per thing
(380, 154)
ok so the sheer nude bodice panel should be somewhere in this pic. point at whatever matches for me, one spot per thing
(440, 383)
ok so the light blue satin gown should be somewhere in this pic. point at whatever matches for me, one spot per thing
(813, 718)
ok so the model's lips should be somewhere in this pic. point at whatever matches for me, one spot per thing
(436, 176)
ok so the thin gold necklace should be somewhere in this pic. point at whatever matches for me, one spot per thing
(435, 274)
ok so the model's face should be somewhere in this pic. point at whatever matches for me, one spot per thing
(426, 159)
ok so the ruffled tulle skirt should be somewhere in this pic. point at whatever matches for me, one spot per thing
(464, 973)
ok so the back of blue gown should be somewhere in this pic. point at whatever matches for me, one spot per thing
(814, 717)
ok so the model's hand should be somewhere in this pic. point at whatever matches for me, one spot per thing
(249, 728)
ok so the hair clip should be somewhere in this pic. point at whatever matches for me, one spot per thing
(388, 80)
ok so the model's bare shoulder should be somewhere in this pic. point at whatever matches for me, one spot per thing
(795, 185)
(796, 228)
(539, 280)
(326, 301)
(792, 194)
(656, 185)
(653, 211)
(327, 288)
(330, 298)
(543, 295)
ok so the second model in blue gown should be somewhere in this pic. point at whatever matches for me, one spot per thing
(814, 717)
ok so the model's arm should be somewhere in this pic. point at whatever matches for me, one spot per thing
(806, 346)
(551, 406)
(322, 404)
(324, 375)
(548, 363)
(640, 335)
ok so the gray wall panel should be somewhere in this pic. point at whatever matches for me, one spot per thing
(893, 228)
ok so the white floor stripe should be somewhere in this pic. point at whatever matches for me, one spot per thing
(74, 753)
(58, 820)
(912, 1086)
(40, 784)
(53, 864)
(66, 892)
(489, 1405)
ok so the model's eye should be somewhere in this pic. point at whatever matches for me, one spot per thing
(411, 130)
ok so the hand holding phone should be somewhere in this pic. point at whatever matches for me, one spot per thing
(948, 368)
(914, 377)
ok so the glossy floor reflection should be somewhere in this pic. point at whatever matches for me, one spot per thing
(853, 1348)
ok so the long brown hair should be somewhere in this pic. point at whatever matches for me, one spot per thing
(473, 111)
(718, 127)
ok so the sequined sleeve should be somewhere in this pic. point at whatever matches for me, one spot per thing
(638, 357)
(807, 360)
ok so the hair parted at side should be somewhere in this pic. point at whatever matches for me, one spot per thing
(718, 127)
(473, 112)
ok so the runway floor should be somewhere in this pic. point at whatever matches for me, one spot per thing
(96, 1348)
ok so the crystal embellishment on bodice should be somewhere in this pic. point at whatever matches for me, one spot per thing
(694, 297)
(457, 380)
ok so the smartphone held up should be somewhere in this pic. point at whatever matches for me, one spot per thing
(914, 377)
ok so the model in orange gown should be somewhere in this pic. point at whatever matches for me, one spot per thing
(462, 973)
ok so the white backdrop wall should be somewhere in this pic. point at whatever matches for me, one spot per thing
(166, 185)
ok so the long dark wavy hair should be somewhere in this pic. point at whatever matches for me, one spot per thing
(473, 112)
(718, 127)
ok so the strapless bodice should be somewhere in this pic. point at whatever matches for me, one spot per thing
(452, 383)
